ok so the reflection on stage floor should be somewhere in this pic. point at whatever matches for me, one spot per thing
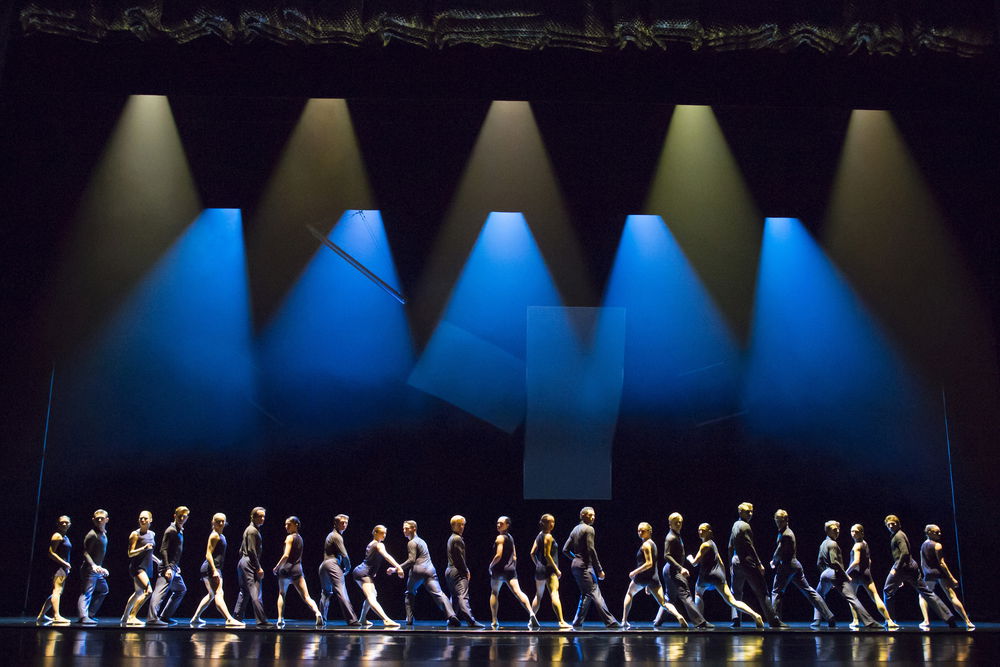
(23, 643)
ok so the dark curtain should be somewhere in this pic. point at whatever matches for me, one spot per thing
(960, 27)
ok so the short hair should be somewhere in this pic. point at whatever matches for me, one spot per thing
(379, 528)
(544, 519)
(218, 516)
(64, 516)
(586, 510)
(830, 524)
(505, 519)
(96, 512)
(674, 515)
(705, 526)
(294, 519)
(457, 519)
(410, 523)
(858, 527)
(892, 518)
(745, 507)
(781, 514)
(146, 512)
(645, 525)
(257, 511)
(341, 517)
(181, 509)
(931, 526)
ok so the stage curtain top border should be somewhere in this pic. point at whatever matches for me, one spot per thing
(892, 27)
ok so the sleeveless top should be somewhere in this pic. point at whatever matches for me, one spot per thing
(144, 560)
(540, 557)
(640, 560)
(506, 553)
(710, 560)
(930, 563)
(219, 552)
(864, 558)
(295, 553)
(374, 560)
(64, 548)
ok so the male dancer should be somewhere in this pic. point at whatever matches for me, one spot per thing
(788, 570)
(833, 575)
(905, 571)
(249, 572)
(746, 567)
(420, 572)
(331, 571)
(92, 572)
(587, 571)
(677, 578)
(457, 573)
(170, 588)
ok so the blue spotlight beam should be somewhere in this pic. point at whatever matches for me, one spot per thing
(356, 264)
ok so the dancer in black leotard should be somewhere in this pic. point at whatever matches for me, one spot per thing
(422, 574)
(676, 577)
(457, 573)
(712, 575)
(93, 574)
(289, 571)
(861, 576)
(59, 550)
(587, 571)
(365, 573)
(834, 576)
(332, 570)
(503, 570)
(645, 576)
(211, 574)
(905, 571)
(936, 572)
(547, 573)
(141, 543)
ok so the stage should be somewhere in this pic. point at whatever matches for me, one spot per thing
(107, 643)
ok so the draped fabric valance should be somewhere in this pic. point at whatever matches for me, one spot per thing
(960, 27)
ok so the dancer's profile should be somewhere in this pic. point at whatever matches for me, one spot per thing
(93, 574)
(170, 588)
(587, 570)
(457, 573)
(747, 568)
(365, 573)
(503, 570)
(422, 574)
(833, 576)
(59, 551)
(646, 577)
(289, 572)
(788, 571)
(937, 573)
(211, 574)
(905, 571)
(332, 571)
(141, 560)
(676, 578)
(547, 572)
(861, 576)
(712, 576)
(250, 571)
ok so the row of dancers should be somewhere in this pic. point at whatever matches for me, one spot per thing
(673, 591)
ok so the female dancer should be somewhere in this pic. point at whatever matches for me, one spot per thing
(936, 572)
(645, 576)
(365, 573)
(547, 571)
(712, 575)
(211, 574)
(59, 548)
(289, 571)
(860, 572)
(140, 565)
(503, 570)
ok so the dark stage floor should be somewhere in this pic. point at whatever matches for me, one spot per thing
(22, 643)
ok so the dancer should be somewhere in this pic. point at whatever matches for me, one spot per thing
(420, 572)
(861, 576)
(646, 577)
(141, 545)
(170, 588)
(712, 575)
(59, 550)
(936, 572)
(364, 576)
(93, 574)
(587, 571)
(788, 570)
(677, 578)
(747, 568)
(289, 571)
(457, 574)
(905, 571)
(833, 576)
(250, 572)
(331, 571)
(211, 574)
(503, 570)
(547, 572)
